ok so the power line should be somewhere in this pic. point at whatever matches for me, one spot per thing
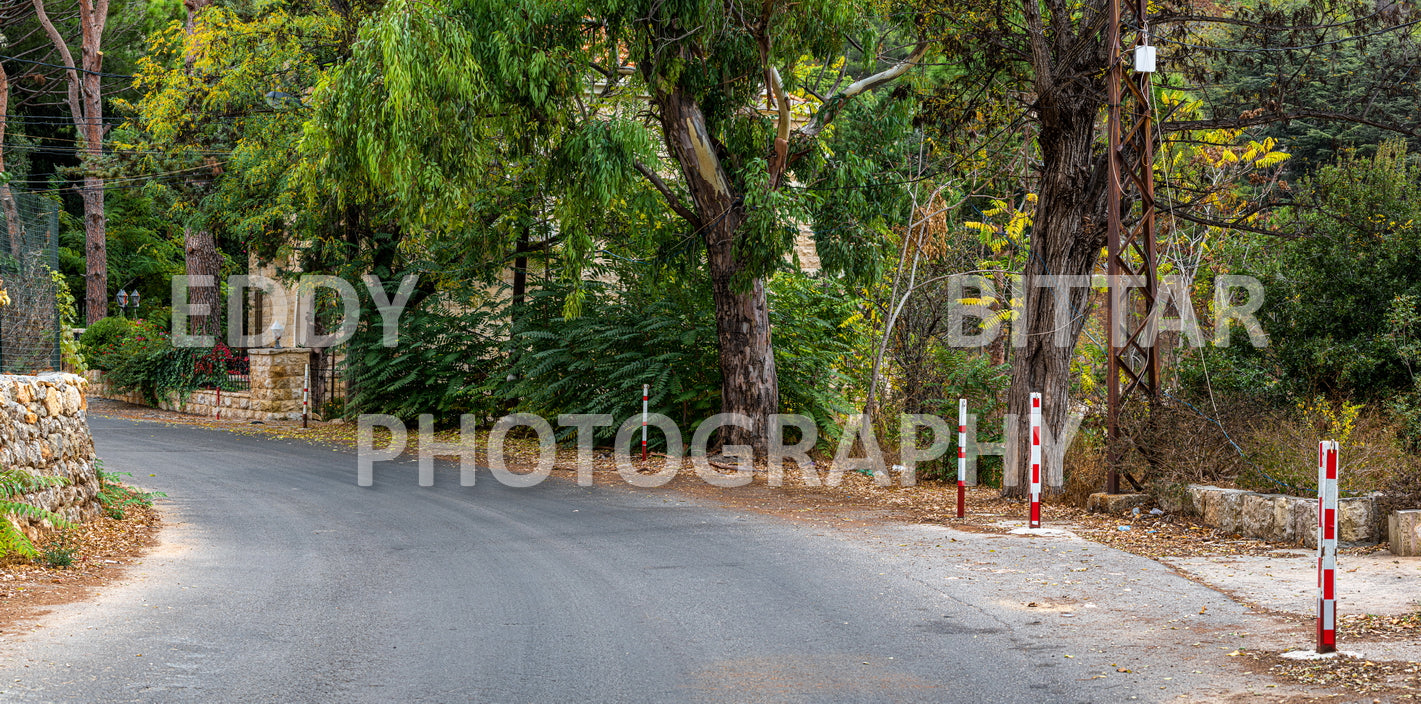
(1264, 50)
(66, 68)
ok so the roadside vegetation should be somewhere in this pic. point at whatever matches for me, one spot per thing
(62, 542)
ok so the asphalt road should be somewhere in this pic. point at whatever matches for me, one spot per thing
(280, 580)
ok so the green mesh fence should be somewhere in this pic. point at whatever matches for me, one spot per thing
(29, 251)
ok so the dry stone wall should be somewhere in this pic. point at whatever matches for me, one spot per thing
(1288, 519)
(44, 432)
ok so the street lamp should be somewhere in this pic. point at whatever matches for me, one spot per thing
(127, 300)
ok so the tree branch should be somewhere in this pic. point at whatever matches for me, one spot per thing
(1226, 225)
(76, 112)
(781, 156)
(671, 200)
(1271, 117)
(835, 103)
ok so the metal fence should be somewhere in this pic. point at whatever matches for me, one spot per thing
(328, 383)
(29, 252)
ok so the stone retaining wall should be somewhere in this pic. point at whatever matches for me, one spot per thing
(43, 431)
(1288, 519)
(276, 378)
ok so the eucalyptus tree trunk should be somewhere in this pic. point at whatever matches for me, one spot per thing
(749, 384)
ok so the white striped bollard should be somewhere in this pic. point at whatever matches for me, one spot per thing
(1035, 460)
(1327, 546)
(217, 410)
(306, 397)
(961, 457)
(645, 394)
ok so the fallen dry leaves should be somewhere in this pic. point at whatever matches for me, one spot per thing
(1401, 680)
(100, 546)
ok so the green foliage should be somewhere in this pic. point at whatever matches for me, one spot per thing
(112, 342)
(68, 319)
(137, 355)
(1331, 292)
(59, 551)
(103, 338)
(598, 361)
(13, 485)
(1377, 73)
(115, 497)
(817, 332)
(1403, 335)
(664, 335)
(450, 108)
(159, 369)
(448, 351)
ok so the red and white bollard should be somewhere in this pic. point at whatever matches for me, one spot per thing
(961, 457)
(306, 397)
(1327, 546)
(645, 394)
(217, 410)
(1035, 460)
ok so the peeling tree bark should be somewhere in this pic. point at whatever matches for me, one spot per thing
(749, 384)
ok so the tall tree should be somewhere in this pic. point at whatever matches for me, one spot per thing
(86, 109)
(641, 95)
(200, 255)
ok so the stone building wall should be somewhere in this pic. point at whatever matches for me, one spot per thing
(277, 377)
(43, 431)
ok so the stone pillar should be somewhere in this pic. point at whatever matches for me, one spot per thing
(1404, 533)
(277, 377)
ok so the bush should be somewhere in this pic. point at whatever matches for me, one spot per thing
(111, 345)
(153, 368)
(1332, 292)
(59, 552)
(115, 497)
(447, 353)
(665, 335)
(102, 341)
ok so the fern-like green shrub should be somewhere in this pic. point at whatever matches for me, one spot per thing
(472, 355)
(449, 349)
(116, 497)
(664, 334)
(13, 485)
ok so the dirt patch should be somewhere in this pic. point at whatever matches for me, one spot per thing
(101, 549)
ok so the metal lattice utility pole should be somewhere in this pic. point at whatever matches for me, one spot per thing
(1133, 285)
